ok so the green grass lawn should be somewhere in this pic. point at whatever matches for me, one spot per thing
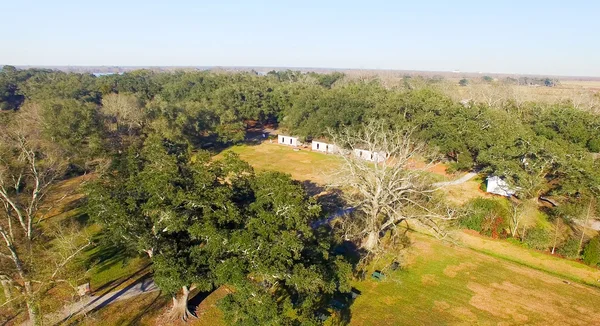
(446, 284)
(302, 164)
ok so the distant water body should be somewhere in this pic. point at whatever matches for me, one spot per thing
(98, 74)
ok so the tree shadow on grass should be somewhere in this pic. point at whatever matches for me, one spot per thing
(338, 306)
(197, 299)
(104, 257)
(144, 278)
(113, 297)
(157, 304)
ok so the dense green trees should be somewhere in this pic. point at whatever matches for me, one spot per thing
(524, 142)
(93, 116)
(205, 223)
(591, 253)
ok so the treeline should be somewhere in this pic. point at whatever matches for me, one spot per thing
(519, 141)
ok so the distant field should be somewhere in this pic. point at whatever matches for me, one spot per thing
(581, 83)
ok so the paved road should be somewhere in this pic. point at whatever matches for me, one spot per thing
(90, 303)
(458, 181)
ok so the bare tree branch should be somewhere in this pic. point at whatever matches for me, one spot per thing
(381, 183)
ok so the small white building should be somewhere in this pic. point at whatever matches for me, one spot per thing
(496, 185)
(288, 140)
(370, 156)
(323, 147)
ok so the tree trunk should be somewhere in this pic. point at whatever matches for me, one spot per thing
(555, 236)
(6, 285)
(180, 308)
(584, 226)
(150, 253)
(32, 307)
(372, 240)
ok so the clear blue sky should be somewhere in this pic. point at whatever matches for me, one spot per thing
(526, 36)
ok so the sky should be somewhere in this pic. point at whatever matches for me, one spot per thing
(522, 37)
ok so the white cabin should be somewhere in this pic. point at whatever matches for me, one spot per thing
(496, 185)
(323, 147)
(370, 156)
(288, 140)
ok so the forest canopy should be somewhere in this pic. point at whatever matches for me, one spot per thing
(90, 116)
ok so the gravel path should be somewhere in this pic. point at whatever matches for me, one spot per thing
(458, 181)
(89, 303)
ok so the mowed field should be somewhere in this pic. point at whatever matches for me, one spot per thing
(301, 165)
(444, 284)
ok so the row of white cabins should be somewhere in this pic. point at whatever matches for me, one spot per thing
(495, 184)
(320, 146)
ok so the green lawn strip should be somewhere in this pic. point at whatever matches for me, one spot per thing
(539, 268)
(417, 295)
(534, 254)
(111, 269)
(424, 293)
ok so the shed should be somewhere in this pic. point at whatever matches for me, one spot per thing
(369, 155)
(320, 146)
(496, 185)
(288, 140)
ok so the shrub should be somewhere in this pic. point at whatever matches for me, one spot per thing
(591, 253)
(570, 249)
(514, 241)
(537, 238)
(594, 145)
(472, 221)
(487, 216)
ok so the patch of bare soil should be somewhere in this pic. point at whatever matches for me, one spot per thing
(441, 305)
(437, 168)
(462, 193)
(418, 248)
(453, 270)
(65, 195)
(463, 313)
(518, 304)
(429, 279)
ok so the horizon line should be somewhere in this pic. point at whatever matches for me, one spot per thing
(457, 72)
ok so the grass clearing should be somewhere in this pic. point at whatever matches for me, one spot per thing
(568, 269)
(111, 269)
(447, 284)
(301, 165)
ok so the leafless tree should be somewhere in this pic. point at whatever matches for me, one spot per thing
(588, 215)
(385, 192)
(124, 110)
(28, 169)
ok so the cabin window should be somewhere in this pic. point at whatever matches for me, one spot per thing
(282, 139)
(290, 140)
(317, 145)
